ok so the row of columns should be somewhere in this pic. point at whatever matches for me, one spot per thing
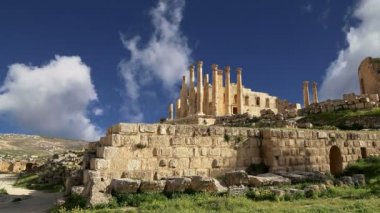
(198, 101)
(306, 99)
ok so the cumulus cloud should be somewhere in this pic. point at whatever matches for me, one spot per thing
(51, 99)
(163, 59)
(362, 40)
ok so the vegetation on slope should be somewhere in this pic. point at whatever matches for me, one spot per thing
(30, 181)
(334, 199)
(339, 118)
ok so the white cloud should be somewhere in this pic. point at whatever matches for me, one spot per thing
(98, 111)
(362, 41)
(51, 99)
(164, 58)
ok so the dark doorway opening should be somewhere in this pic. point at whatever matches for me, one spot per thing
(234, 110)
(336, 161)
(363, 152)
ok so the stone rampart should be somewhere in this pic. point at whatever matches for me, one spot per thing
(155, 151)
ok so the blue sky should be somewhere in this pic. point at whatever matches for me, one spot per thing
(278, 43)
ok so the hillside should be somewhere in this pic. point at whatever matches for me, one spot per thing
(18, 144)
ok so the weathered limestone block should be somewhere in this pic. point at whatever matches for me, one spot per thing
(294, 178)
(124, 128)
(184, 130)
(189, 172)
(99, 164)
(133, 165)
(95, 189)
(201, 131)
(106, 152)
(215, 130)
(214, 152)
(152, 186)
(148, 128)
(138, 175)
(177, 184)
(203, 141)
(125, 185)
(165, 152)
(237, 178)
(177, 141)
(181, 152)
(206, 184)
(267, 179)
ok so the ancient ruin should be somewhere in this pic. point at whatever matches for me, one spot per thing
(221, 97)
(369, 76)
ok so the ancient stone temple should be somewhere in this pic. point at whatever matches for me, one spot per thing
(369, 76)
(220, 97)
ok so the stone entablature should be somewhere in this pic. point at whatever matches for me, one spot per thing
(220, 97)
(349, 101)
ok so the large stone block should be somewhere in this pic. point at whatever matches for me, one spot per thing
(181, 152)
(99, 164)
(236, 178)
(177, 184)
(184, 130)
(152, 186)
(267, 179)
(106, 152)
(124, 128)
(148, 128)
(206, 184)
(125, 185)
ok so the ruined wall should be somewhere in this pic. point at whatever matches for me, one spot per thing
(154, 151)
(151, 151)
(313, 150)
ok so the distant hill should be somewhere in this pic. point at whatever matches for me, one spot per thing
(19, 144)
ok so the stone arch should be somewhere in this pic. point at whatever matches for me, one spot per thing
(336, 160)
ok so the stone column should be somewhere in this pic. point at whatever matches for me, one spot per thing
(200, 89)
(239, 90)
(177, 108)
(315, 93)
(183, 98)
(171, 112)
(306, 100)
(215, 92)
(228, 91)
(206, 99)
(192, 106)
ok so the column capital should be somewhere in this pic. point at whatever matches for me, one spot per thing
(239, 70)
(191, 67)
(227, 68)
(306, 82)
(183, 78)
(200, 63)
(214, 66)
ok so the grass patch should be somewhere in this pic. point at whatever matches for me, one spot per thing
(30, 181)
(370, 167)
(338, 118)
(3, 191)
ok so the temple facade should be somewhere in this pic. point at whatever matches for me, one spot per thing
(218, 96)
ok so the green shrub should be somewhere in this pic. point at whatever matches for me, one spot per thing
(135, 199)
(3, 191)
(261, 194)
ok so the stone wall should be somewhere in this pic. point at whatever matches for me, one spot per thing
(349, 101)
(155, 151)
(150, 151)
(312, 150)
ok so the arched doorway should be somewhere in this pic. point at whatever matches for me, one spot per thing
(336, 162)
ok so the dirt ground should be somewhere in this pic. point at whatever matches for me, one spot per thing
(24, 200)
